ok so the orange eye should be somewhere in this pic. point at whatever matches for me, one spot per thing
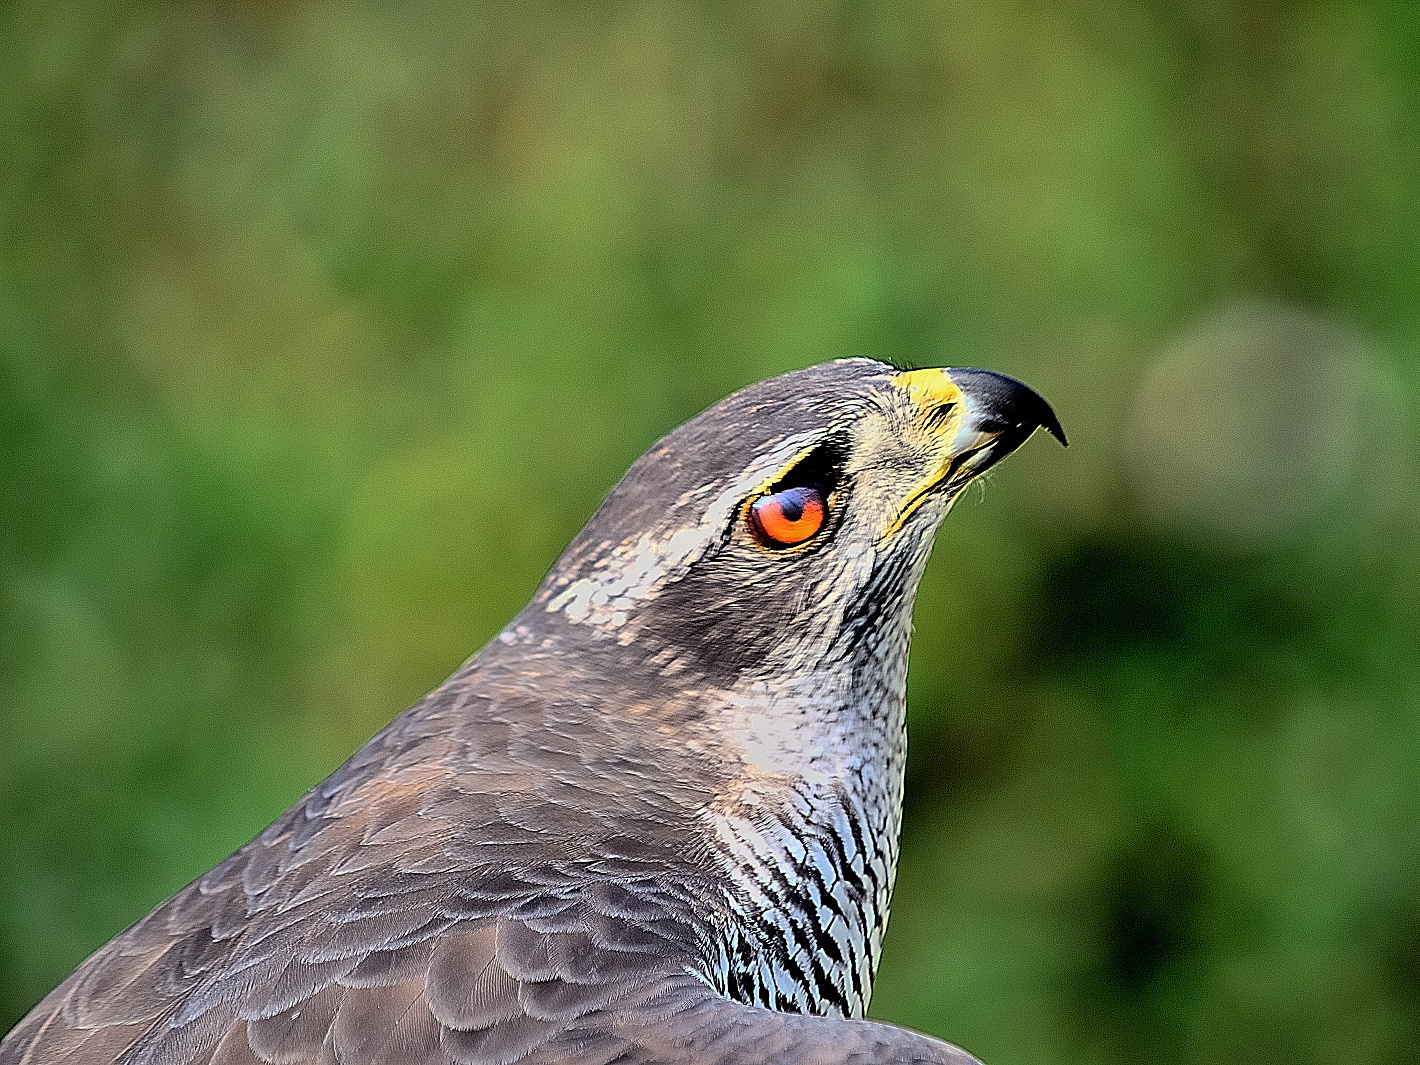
(787, 518)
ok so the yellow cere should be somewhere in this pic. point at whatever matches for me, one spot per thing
(929, 388)
(930, 391)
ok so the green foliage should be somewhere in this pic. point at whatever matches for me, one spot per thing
(323, 328)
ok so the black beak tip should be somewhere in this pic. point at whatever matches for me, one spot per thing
(1011, 400)
(1051, 424)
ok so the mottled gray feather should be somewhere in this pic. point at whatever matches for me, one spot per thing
(561, 855)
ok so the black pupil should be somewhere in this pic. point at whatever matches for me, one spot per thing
(791, 503)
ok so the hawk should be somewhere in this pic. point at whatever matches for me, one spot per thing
(654, 820)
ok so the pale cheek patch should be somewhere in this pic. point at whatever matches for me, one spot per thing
(641, 568)
(636, 571)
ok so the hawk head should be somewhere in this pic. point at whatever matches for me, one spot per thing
(785, 528)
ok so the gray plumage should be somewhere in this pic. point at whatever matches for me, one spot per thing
(655, 820)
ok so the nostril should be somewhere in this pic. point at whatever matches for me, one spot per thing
(937, 415)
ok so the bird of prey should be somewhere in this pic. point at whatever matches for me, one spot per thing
(654, 820)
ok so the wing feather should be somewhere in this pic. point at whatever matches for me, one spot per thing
(446, 897)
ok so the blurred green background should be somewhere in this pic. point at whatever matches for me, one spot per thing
(324, 327)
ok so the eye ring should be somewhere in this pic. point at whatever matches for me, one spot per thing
(788, 518)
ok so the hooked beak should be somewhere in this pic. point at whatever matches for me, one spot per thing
(1001, 413)
(982, 416)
